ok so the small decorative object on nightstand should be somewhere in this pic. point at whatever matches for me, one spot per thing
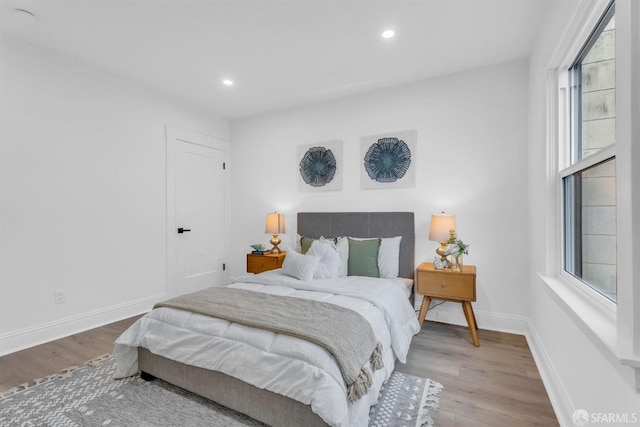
(448, 285)
(259, 263)
(259, 249)
(456, 248)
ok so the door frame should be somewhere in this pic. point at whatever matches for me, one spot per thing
(174, 134)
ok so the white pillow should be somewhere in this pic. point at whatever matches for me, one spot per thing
(329, 264)
(298, 244)
(300, 266)
(342, 246)
(388, 255)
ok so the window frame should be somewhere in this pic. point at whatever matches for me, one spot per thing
(613, 328)
(575, 80)
(570, 144)
(601, 156)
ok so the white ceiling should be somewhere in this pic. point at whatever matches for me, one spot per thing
(279, 53)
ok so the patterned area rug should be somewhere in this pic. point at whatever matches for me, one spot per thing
(88, 396)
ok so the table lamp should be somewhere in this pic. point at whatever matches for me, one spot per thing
(275, 226)
(442, 228)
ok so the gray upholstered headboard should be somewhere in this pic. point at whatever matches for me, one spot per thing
(365, 224)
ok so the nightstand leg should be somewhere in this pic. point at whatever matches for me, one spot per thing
(473, 314)
(426, 301)
(471, 321)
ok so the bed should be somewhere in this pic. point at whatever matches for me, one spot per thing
(277, 379)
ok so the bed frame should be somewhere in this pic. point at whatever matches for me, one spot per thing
(263, 405)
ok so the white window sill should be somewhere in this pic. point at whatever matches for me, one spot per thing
(597, 320)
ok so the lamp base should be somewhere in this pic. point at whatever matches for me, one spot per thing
(443, 256)
(275, 241)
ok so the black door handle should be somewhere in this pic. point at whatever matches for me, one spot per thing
(183, 230)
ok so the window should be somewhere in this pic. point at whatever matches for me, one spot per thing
(589, 180)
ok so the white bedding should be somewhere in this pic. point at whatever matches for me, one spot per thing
(286, 365)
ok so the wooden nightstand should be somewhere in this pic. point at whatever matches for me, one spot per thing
(259, 263)
(448, 285)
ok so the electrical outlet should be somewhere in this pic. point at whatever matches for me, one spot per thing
(60, 297)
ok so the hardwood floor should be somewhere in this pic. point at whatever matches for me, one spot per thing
(494, 385)
(53, 357)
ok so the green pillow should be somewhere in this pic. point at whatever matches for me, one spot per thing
(363, 258)
(305, 243)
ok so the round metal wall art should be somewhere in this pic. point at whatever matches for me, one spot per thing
(387, 160)
(318, 166)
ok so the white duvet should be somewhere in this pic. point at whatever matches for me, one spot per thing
(282, 364)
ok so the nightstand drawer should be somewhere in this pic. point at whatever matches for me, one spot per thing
(259, 263)
(446, 285)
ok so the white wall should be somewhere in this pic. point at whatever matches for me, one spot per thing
(579, 372)
(83, 193)
(470, 161)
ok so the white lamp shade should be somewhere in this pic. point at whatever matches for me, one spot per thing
(440, 227)
(275, 223)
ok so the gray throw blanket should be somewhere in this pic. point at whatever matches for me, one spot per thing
(341, 331)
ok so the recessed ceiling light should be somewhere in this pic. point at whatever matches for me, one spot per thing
(388, 34)
(227, 82)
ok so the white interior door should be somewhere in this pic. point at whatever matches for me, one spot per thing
(198, 232)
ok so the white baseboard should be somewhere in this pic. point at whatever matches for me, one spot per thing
(13, 341)
(557, 394)
(451, 312)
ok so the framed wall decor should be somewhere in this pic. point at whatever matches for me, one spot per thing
(320, 166)
(388, 160)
